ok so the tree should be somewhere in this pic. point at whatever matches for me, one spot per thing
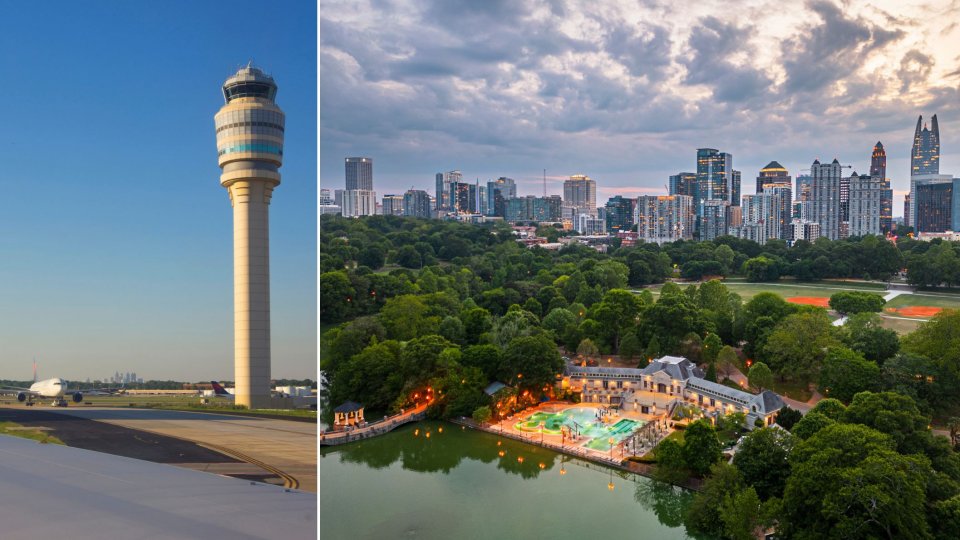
(476, 322)
(705, 514)
(482, 415)
(797, 345)
(587, 348)
(701, 447)
(846, 373)
(652, 351)
(452, 329)
(711, 347)
(862, 332)
(761, 269)
(404, 317)
(893, 414)
(760, 376)
(536, 358)
(787, 417)
(762, 459)
(848, 482)
(671, 467)
(832, 408)
(742, 515)
(372, 257)
(727, 360)
(630, 346)
(711, 374)
(335, 296)
(557, 320)
(691, 347)
(485, 357)
(851, 302)
(408, 257)
(811, 424)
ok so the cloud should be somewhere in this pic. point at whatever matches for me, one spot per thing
(833, 49)
(914, 67)
(714, 44)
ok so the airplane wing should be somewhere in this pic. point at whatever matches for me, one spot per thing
(16, 390)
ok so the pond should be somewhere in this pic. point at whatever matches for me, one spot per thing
(435, 480)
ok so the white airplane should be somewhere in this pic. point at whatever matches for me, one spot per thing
(55, 388)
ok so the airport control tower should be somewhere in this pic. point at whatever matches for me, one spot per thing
(250, 149)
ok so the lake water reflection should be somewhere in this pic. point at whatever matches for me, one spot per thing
(455, 483)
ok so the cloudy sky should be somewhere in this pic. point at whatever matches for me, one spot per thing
(627, 91)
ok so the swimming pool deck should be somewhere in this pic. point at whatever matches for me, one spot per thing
(657, 427)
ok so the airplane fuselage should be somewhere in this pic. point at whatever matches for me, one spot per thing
(50, 388)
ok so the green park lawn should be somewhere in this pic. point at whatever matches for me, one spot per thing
(945, 301)
(16, 430)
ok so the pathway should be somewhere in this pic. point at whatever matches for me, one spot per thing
(331, 438)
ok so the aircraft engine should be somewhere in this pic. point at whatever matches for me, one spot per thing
(21, 397)
(78, 397)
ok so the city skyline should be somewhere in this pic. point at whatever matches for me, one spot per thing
(117, 246)
(512, 98)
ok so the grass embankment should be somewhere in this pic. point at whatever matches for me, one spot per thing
(191, 403)
(16, 430)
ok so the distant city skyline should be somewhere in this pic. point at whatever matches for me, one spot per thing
(626, 94)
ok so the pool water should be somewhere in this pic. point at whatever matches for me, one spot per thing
(586, 422)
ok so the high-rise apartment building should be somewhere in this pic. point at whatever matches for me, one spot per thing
(825, 197)
(444, 201)
(500, 191)
(392, 205)
(735, 188)
(684, 183)
(713, 222)
(619, 214)
(803, 197)
(580, 192)
(773, 173)
(250, 131)
(845, 198)
(326, 198)
(762, 216)
(878, 168)
(866, 204)
(934, 205)
(925, 157)
(531, 208)
(416, 203)
(662, 219)
(784, 194)
(714, 176)
(922, 180)
(358, 202)
(359, 173)
(907, 207)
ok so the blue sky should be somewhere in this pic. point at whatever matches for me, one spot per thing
(115, 234)
(627, 90)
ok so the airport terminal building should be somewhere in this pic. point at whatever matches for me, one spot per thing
(667, 381)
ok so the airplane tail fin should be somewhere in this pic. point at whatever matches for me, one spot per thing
(34, 370)
(219, 390)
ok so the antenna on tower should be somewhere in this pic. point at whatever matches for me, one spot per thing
(544, 182)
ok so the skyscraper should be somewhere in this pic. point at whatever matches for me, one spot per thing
(935, 207)
(393, 205)
(619, 214)
(761, 216)
(663, 219)
(444, 200)
(878, 169)
(683, 184)
(359, 173)
(416, 203)
(500, 191)
(772, 173)
(925, 157)
(924, 161)
(580, 192)
(866, 204)
(250, 146)
(714, 176)
(803, 197)
(713, 222)
(825, 197)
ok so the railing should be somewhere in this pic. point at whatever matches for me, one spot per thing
(343, 436)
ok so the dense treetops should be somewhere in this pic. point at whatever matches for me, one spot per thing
(466, 305)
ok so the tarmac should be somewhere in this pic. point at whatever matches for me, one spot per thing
(264, 449)
(50, 491)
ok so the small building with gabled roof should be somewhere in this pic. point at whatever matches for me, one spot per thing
(349, 413)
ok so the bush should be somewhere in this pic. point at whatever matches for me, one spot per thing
(850, 302)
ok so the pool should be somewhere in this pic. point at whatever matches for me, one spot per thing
(584, 420)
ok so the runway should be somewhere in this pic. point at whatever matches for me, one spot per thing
(270, 447)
